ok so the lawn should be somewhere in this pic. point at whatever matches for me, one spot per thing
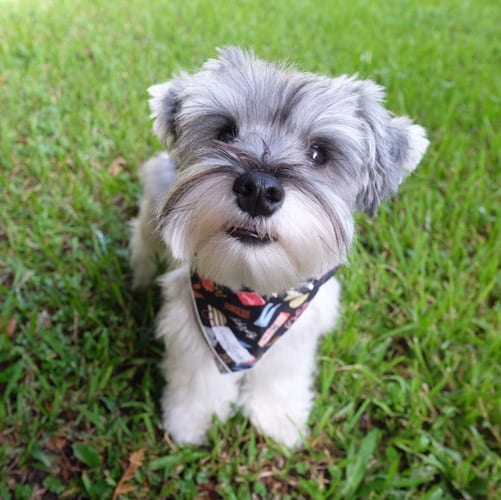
(409, 383)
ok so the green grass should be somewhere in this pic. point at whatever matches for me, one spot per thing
(409, 402)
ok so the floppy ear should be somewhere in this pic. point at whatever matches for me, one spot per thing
(395, 147)
(165, 103)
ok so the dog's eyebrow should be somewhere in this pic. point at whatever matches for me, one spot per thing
(221, 118)
(290, 98)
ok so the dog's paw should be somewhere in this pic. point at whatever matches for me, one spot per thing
(187, 428)
(184, 434)
(285, 425)
(188, 416)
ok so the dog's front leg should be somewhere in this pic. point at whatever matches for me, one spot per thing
(195, 389)
(277, 394)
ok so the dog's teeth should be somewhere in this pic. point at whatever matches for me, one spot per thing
(249, 235)
(262, 234)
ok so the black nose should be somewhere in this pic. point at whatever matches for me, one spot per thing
(258, 193)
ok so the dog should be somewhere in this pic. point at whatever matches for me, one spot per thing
(252, 208)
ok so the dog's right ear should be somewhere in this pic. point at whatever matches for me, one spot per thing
(165, 103)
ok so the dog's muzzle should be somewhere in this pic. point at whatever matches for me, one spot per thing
(258, 193)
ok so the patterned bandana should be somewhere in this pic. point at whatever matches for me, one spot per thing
(241, 326)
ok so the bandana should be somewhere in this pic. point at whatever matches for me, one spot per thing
(240, 327)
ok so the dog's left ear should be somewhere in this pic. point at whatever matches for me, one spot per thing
(165, 103)
(395, 147)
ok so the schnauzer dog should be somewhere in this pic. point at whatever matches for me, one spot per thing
(253, 209)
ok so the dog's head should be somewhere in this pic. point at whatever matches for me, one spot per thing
(272, 164)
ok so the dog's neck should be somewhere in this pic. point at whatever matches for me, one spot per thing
(240, 326)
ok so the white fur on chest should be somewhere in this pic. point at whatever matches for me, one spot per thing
(281, 379)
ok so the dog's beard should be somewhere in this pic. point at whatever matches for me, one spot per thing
(202, 225)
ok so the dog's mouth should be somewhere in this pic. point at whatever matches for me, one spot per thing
(250, 235)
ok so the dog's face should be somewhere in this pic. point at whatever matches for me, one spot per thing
(273, 163)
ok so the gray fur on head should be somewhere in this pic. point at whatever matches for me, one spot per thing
(376, 148)
(238, 114)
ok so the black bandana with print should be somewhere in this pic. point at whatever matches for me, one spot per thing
(241, 326)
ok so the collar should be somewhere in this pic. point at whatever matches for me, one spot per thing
(241, 326)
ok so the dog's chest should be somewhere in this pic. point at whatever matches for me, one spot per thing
(240, 327)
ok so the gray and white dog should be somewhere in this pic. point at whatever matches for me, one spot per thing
(253, 208)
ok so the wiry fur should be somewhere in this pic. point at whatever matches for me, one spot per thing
(189, 209)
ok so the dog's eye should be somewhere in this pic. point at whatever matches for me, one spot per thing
(228, 134)
(317, 154)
